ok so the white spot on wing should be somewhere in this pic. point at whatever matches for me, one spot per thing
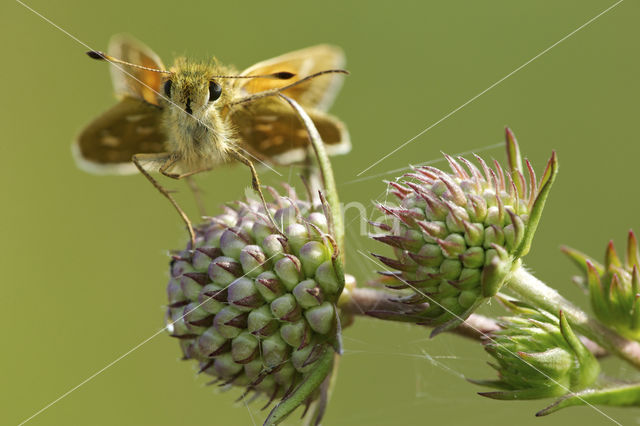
(110, 141)
(145, 130)
(136, 117)
(101, 169)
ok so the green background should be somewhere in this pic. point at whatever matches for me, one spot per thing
(83, 257)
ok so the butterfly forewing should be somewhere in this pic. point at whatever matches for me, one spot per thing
(317, 93)
(107, 144)
(135, 82)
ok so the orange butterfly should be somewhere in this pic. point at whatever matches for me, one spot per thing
(196, 116)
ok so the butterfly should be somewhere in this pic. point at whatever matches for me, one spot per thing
(196, 116)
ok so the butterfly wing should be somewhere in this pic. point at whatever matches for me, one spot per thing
(318, 93)
(273, 131)
(107, 144)
(135, 82)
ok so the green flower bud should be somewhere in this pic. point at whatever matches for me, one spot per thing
(189, 285)
(207, 298)
(211, 343)
(475, 222)
(244, 295)
(261, 322)
(232, 241)
(297, 236)
(296, 334)
(230, 321)
(285, 308)
(174, 291)
(274, 247)
(224, 270)
(203, 256)
(225, 367)
(244, 348)
(308, 294)
(312, 255)
(614, 288)
(321, 318)
(269, 286)
(289, 270)
(196, 318)
(326, 278)
(275, 350)
(247, 298)
(304, 358)
(252, 259)
(538, 356)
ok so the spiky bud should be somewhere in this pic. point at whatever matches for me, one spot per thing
(456, 236)
(614, 288)
(255, 307)
(537, 356)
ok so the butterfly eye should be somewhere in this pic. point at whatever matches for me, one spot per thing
(214, 91)
(167, 88)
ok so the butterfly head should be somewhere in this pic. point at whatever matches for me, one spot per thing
(191, 87)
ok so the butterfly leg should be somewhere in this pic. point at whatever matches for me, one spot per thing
(164, 158)
(256, 184)
(164, 169)
(197, 194)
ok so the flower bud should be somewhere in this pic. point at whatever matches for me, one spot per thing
(244, 348)
(538, 356)
(248, 297)
(475, 224)
(614, 288)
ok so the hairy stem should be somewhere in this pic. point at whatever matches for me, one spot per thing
(532, 290)
(359, 301)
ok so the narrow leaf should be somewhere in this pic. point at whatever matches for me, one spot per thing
(546, 182)
(321, 369)
(620, 396)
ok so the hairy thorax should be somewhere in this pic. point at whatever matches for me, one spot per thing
(198, 142)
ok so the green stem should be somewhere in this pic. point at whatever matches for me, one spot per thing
(329, 183)
(530, 289)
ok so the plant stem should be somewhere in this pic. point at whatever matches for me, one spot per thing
(359, 301)
(530, 289)
(329, 183)
(362, 300)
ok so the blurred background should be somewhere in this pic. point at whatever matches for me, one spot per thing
(84, 258)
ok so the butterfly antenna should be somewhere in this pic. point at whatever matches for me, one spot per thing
(275, 92)
(94, 54)
(282, 75)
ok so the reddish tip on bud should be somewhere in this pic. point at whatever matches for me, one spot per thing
(611, 256)
(633, 257)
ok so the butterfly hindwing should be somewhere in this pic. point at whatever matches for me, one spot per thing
(107, 144)
(274, 132)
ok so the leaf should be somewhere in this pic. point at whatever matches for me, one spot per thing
(619, 396)
(304, 390)
(546, 182)
(515, 159)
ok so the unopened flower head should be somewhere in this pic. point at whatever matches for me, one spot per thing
(255, 307)
(537, 356)
(456, 235)
(614, 288)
